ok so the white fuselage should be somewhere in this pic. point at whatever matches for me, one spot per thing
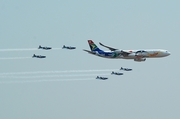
(134, 54)
(137, 55)
(149, 53)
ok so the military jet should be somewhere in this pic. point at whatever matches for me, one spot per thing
(125, 69)
(102, 78)
(116, 73)
(68, 47)
(44, 48)
(38, 56)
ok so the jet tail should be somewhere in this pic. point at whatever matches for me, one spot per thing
(93, 46)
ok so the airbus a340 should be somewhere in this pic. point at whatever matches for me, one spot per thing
(136, 55)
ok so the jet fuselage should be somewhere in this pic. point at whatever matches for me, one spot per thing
(137, 55)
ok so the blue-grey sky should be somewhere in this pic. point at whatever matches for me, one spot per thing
(151, 90)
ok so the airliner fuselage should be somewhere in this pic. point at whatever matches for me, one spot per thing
(137, 55)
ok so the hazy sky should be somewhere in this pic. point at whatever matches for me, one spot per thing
(36, 91)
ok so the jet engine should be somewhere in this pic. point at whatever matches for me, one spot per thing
(140, 59)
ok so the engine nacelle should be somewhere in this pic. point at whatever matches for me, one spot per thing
(140, 59)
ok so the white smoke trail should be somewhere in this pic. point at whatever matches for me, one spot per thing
(56, 48)
(48, 80)
(25, 49)
(52, 76)
(10, 58)
(54, 72)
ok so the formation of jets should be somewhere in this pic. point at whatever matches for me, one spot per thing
(64, 47)
(114, 73)
(49, 48)
(136, 55)
(114, 53)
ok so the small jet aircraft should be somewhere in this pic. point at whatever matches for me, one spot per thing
(102, 78)
(44, 48)
(68, 47)
(136, 55)
(38, 56)
(116, 73)
(125, 69)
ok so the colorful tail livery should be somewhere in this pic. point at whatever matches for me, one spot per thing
(93, 46)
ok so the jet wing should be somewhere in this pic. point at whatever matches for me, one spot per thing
(90, 52)
(110, 48)
(124, 53)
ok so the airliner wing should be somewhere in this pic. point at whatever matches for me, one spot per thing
(110, 48)
(125, 53)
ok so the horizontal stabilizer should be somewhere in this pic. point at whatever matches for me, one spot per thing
(90, 52)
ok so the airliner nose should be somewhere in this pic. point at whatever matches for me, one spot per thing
(168, 53)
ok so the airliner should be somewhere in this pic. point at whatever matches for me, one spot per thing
(136, 55)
